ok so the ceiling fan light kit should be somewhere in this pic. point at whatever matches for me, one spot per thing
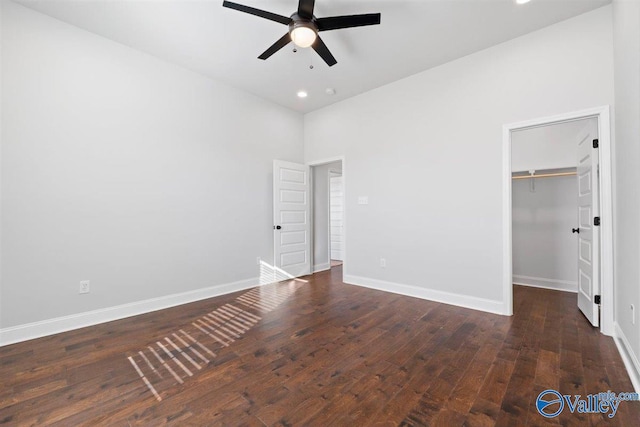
(303, 33)
(304, 27)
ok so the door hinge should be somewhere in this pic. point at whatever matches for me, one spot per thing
(596, 299)
(596, 143)
(596, 220)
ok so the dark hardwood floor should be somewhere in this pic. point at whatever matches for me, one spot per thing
(317, 353)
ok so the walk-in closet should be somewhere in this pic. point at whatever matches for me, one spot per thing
(545, 205)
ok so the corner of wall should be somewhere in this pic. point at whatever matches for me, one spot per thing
(464, 301)
(628, 357)
(626, 56)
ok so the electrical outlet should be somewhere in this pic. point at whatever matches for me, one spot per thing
(383, 263)
(84, 287)
(633, 314)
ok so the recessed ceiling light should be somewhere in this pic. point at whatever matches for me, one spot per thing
(330, 91)
(522, 1)
(302, 94)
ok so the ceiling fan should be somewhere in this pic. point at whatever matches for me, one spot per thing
(304, 27)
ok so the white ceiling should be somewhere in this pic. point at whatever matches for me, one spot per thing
(224, 44)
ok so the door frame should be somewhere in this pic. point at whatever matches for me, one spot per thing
(606, 207)
(329, 214)
(321, 162)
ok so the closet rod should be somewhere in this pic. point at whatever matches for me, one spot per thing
(544, 175)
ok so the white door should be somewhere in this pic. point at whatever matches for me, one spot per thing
(335, 216)
(588, 235)
(291, 215)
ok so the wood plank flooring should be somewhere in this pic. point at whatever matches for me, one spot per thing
(318, 353)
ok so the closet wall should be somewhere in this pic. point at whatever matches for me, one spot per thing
(544, 211)
(544, 249)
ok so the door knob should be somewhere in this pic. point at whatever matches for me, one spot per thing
(277, 227)
(575, 230)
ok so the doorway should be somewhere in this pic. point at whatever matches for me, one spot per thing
(602, 180)
(328, 216)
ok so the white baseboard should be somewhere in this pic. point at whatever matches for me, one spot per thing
(28, 331)
(628, 357)
(321, 267)
(540, 282)
(475, 303)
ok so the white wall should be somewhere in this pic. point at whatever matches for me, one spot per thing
(427, 152)
(545, 147)
(626, 24)
(142, 177)
(544, 249)
(336, 216)
(321, 214)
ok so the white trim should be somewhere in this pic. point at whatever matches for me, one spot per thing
(329, 216)
(507, 243)
(57, 325)
(541, 282)
(606, 227)
(459, 300)
(628, 357)
(606, 206)
(322, 267)
(326, 161)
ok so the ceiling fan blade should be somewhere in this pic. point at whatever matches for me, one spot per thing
(347, 21)
(305, 8)
(282, 42)
(257, 12)
(323, 51)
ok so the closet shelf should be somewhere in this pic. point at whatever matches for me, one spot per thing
(544, 175)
